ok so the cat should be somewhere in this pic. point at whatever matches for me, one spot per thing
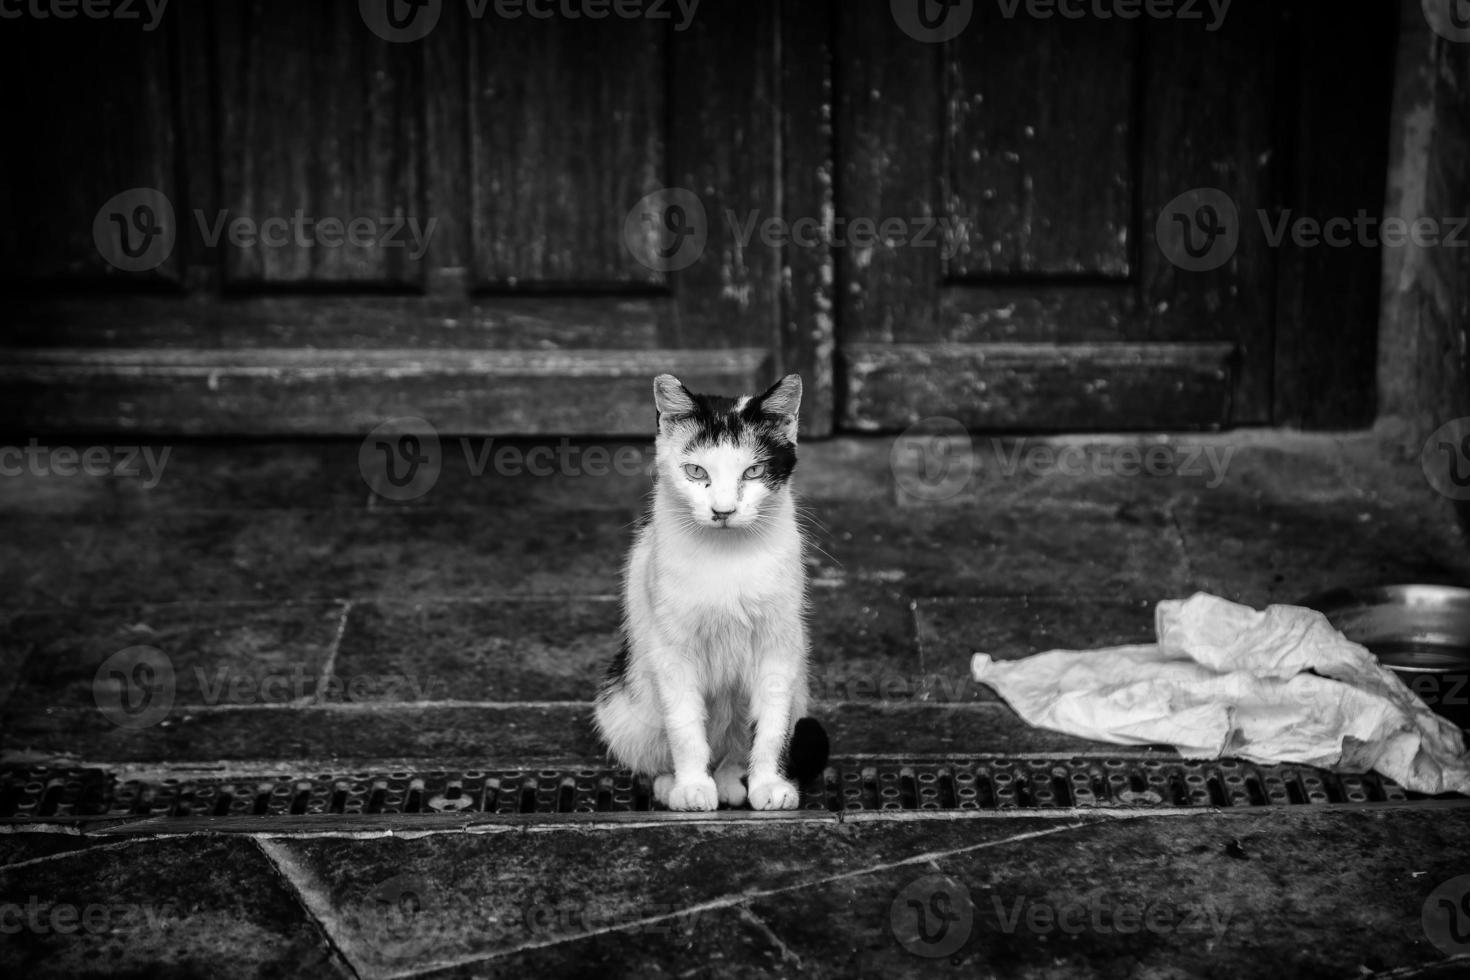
(711, 682)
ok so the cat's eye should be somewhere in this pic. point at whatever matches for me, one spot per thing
(695, 472)
(756, 472)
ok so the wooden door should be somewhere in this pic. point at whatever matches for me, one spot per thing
(1101, 180)
(491, 167)
(1058, 170)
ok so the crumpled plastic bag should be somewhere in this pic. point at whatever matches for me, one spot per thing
(1225, 680)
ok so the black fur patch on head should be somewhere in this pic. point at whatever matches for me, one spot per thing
(716, 421)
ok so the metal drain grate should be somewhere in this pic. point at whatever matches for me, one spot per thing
(977, 784)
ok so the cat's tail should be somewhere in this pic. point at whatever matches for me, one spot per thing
(806, 756)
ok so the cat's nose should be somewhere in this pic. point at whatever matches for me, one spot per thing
(721, 515)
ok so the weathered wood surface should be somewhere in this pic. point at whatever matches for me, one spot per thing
(808, 278)
(555, 322)
(1214, 123)
(331, 130)
(349, 392)
(723, 129)
(566, 135)
(1057, 143)
(1038, 312)
(90, 115)
(1327, 301)
(1039, 386)
(1040, 160)
(889, 126)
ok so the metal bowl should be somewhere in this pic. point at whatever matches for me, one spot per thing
(1421, 632)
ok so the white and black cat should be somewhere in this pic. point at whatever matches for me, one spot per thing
(711, 683)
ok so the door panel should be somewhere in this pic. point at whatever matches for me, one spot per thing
(358, 100)
(55, 178)
(1057, 145)
(567, 132)
(1040, 157)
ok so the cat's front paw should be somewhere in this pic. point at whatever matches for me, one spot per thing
(698, 793)
(774, 794)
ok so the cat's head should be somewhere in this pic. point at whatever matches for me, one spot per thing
(726, 461)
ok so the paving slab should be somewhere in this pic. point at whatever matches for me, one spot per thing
(952, 630)
(1261, 552)
(235, 653)
(454, 900)
(19, 844)
(159, 908)
(303, 554)
(1286, 894)
(477, 650)
(1043, 548)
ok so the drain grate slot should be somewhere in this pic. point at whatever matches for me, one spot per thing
(847, 787)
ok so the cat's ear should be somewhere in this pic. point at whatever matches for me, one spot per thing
(783, 397)
(671, 398)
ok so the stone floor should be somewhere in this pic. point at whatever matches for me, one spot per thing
(313, 623)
